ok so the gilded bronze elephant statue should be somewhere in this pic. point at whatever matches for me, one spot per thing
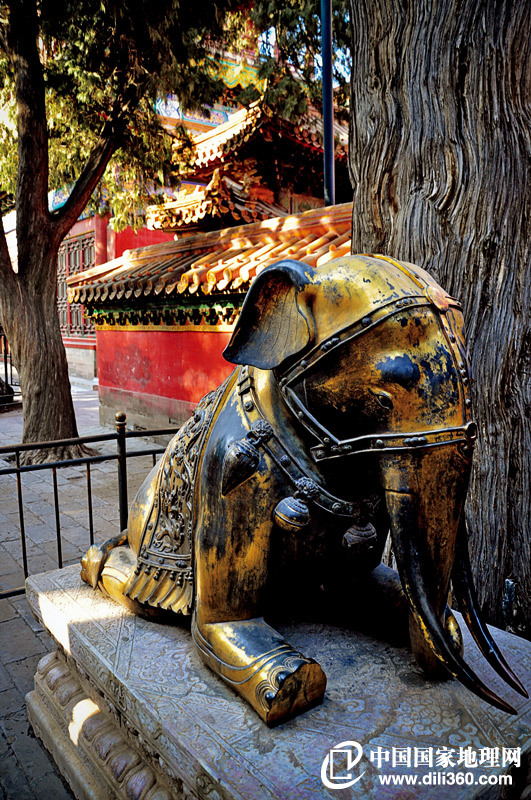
(348, 417)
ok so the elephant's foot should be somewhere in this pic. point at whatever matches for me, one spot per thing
(382, 605)
(96, 556)
(112, 568)
(278, 681)
(373, 603)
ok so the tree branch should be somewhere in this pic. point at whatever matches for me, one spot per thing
(90, 175)
(94, 167)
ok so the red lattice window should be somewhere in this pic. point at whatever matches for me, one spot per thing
(75, 255)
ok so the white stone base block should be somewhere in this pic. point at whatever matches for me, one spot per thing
(128, 710)
(86, 744)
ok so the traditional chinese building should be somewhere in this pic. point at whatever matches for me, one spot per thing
(163, 314)
(252, 167)
(252, 193)
(92, 241)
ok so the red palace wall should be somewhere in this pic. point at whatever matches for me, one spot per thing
(158, 375)
(81, 346)
(109, 244)
(118, 243)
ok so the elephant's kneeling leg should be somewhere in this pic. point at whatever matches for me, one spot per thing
(278, 681)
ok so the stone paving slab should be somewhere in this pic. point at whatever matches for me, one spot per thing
(26, 770)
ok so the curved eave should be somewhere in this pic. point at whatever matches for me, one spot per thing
(216, 262)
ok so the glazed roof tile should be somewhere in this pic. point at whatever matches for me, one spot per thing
(223, 198)
(215, 262)
(212, 146)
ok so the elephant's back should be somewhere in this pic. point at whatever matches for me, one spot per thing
(163, 519)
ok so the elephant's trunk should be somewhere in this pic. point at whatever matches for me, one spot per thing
(425, 491)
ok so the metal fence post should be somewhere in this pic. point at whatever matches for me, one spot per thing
(21, 515)
(122, 469)
(4, 350)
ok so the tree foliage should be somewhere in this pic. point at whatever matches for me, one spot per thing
(103, 65)
(79, 83)
(291, 54)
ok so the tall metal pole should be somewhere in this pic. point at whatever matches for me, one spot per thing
(328, 103)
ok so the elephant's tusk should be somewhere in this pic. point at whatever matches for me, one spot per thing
(463, 584)
(408, 548)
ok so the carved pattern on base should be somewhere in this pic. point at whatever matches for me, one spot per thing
(95, 740)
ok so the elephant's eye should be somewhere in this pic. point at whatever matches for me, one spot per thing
(384, 398)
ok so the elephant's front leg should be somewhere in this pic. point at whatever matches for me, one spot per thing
(258, 663)
(233, 638)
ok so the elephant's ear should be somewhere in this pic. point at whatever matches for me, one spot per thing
(276, 321)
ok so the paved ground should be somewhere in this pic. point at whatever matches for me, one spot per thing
(26, 771)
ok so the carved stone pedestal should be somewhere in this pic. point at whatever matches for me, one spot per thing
(128, 710)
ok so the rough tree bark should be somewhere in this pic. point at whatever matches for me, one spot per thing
(29, 315)
(28, 312)
(440, 162)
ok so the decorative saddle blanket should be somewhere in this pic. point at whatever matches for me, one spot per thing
(163, 577)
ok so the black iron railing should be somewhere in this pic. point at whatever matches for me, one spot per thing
(121, 456)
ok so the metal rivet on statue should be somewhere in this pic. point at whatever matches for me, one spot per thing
(240, 462)
(291, 514)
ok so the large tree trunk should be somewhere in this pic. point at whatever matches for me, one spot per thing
(440, 163)
(29, 318)
(28, 310)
